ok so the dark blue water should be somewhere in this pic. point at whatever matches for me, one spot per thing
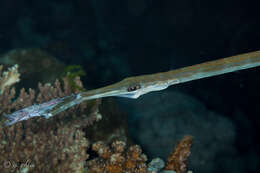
(111, 40)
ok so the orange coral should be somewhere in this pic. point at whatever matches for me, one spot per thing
(115, 159)
(177, 161)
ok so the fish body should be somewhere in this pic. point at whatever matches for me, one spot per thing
(133, 87)
(32, 111)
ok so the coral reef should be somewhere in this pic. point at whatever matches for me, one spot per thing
(113, 125)
(75, 116)
(39, 145)
(73, 71)
(177, 161)
(59, 144)
(117, 159)
(9, 77)
(33, 65)
(48, 148)
(154, 114)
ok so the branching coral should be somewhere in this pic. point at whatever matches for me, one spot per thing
(80, 115)
(8, 77)
(33, 65)
(59, 145)
(46, 149)
(54, 145)
(117, 159)
(177, 161)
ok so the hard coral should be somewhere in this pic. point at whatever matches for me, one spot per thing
(8, 77)
(116, 159)
(39, 145)
(177, 161)
(33, 64)
(44, 149)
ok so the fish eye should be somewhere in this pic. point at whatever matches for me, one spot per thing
(133, 88)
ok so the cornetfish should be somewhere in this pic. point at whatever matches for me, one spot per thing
(133, 87)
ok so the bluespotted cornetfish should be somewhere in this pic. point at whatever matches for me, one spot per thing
(133, 87)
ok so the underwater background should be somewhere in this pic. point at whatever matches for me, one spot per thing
(105, 41)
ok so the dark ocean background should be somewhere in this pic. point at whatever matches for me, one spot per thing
(115, 39)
